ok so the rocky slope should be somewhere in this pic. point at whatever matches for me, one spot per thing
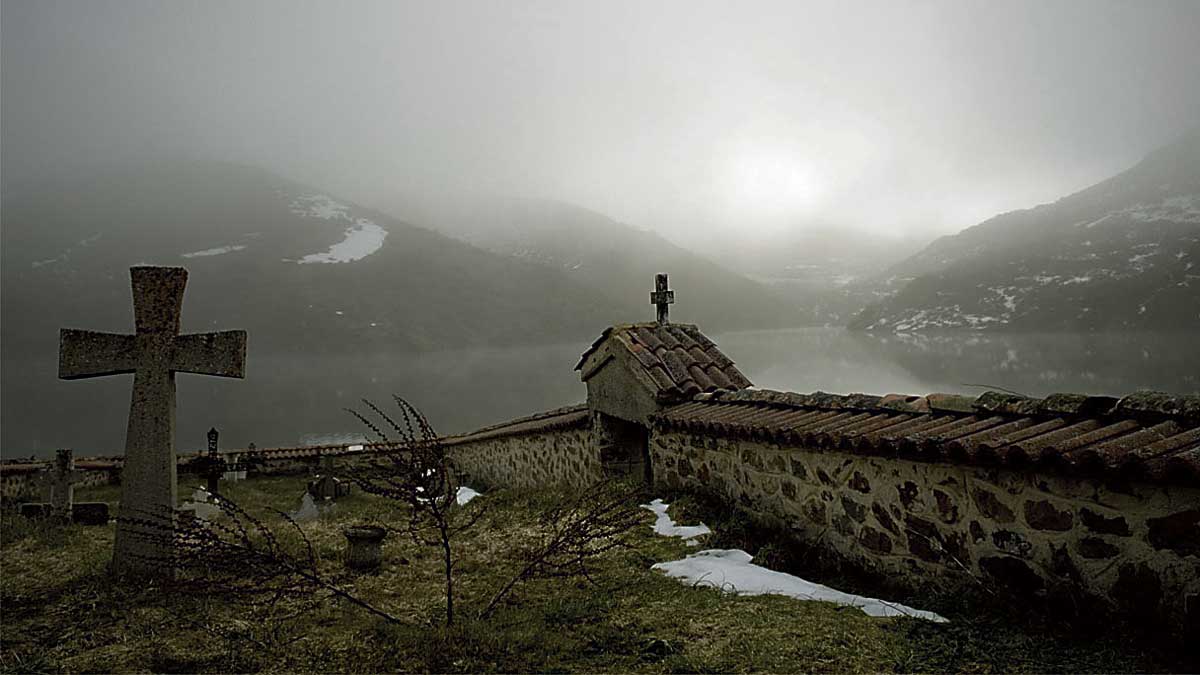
(1122, 254)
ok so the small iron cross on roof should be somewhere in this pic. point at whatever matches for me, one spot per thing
(661, 297)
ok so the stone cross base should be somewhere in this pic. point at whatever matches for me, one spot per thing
(82, 513)
(328, 487)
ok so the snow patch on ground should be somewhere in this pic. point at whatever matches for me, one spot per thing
(663, 525)
(1008, 298)
(320, 206)
(731, 570)
(1179, 209)
(220, 250)
(466, 494)
(200, 506)
(1138, 261)
(951, 316)
(363, 237)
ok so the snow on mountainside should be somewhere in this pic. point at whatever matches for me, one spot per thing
(1124, 253)
(363, 237)
(300, 270)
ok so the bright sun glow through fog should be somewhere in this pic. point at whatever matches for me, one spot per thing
(771, 187)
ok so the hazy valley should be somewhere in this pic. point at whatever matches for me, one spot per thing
(486, 295)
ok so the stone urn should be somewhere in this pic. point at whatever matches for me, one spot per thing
(365, 543)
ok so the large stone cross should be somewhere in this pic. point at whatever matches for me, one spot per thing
(661, 297)
(153, 354)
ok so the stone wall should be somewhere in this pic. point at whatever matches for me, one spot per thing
(24, 485)
(555, 457)
(1134, 547)
(23, 482)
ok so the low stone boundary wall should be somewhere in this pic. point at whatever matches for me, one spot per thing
(550, 448)
(1134, 547)
(22, 481)
(558, 457)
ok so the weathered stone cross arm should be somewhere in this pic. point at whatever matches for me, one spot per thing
(222, 354)
(85, 353)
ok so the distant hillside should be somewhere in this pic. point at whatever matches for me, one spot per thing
(828, 272)
(611, 258)
(1120, 254)
(301, 270)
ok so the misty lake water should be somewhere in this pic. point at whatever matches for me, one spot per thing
(293, 400)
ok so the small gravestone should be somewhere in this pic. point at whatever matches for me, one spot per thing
(234, 472)
(203, 504)
(62, 479)
(59, 482)
(90, 513)
(327, 486)
(153, 354)
(308, 510)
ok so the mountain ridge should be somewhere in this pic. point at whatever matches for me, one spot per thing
(613, 258)
(260, 249)
(1119, 254)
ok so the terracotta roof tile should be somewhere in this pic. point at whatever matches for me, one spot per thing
(1182, 466)
(1152, 435)
(677, 357)
(575, 416)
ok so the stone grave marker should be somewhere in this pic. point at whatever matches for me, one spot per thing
(62, 479)
(59, 481)
(308, 510)
(200, 506)
(153, 354)
(327, 486)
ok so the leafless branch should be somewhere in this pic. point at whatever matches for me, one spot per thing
(574, 535)
(236, 556)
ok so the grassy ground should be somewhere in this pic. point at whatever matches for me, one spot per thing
(62, 614)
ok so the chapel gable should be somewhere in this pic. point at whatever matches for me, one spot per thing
(632, 371)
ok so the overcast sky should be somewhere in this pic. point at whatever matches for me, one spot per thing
(721, 117)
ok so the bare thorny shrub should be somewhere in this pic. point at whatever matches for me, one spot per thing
(242, 559)
(417, 475)
(238, 557)
(571, 538)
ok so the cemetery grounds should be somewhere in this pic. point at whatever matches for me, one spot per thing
(61, 612)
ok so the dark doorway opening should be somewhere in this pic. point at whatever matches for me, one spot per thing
(624, 448)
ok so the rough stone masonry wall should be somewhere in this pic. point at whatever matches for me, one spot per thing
(21, 486)
(558, 457)
(1135, 547)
